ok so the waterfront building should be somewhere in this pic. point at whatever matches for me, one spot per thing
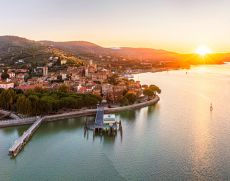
(45, 71)
(27, 87)
(109, 119)
(63, 62)
(63, 76)
(116, 93)
(135, 87)
(6, 85)
(11, 74)
(20, 76)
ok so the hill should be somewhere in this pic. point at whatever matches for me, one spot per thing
(84, 48)
(13, 48)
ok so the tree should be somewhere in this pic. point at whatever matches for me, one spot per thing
(63, 88)
(148, 92)
(114, 79)
(145, 86)
(124, 101)
(69, 102)
(23, 105)
(91, 100)
(49, 104)
(5, 76)
(1, 90)
(131, 97)
(41, 101)
(27, 76)
(59, 78)
(7, 99)
(155, 89)
(35, 104)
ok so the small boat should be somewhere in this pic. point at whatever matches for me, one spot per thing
(129, 76)
(211, 108)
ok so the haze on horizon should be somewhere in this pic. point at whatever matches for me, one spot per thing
(175, 25)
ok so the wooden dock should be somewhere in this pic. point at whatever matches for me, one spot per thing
(21, 141)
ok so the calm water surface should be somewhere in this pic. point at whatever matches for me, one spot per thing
(178, 139)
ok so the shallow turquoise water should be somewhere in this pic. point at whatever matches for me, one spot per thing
(177, 139)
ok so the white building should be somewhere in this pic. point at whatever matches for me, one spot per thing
(63, 76)
(11, 74)
(6, 85)
(75, 77)
(63, 62)
(45, 71)
(109, 119)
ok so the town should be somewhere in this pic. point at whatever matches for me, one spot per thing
(96, 83)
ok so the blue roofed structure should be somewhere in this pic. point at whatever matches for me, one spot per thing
(99, 121)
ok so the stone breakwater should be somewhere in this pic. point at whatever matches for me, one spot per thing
(9, 114)
(75, 114)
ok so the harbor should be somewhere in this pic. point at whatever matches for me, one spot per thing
(105, 122)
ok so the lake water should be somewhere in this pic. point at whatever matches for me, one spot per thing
(177, 139)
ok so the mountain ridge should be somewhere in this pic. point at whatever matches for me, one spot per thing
(92, 50)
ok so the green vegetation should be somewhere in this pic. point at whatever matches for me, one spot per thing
(4, 75)
(40, 101)
(128, 98)
(148, 92)
(151, 91)
(36, 54)
(114, 79)
(124, 101)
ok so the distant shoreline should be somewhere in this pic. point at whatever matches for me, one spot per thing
(76, 114)
(171, 69)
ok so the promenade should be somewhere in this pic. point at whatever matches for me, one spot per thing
(75, 114)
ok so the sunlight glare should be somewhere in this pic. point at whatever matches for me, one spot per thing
(203, 50)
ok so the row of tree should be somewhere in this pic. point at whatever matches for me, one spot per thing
(128, 98)
(131, 98)
(40, 102)
(151, 91)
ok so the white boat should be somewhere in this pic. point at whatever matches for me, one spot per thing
(129, 76)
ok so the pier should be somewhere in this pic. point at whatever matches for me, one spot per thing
(21, 141)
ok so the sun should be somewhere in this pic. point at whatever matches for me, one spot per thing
(203, 50)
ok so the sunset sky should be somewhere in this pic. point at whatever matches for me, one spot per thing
(175, 25)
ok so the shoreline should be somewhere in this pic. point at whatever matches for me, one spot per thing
(171, 69)
(76, 114)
